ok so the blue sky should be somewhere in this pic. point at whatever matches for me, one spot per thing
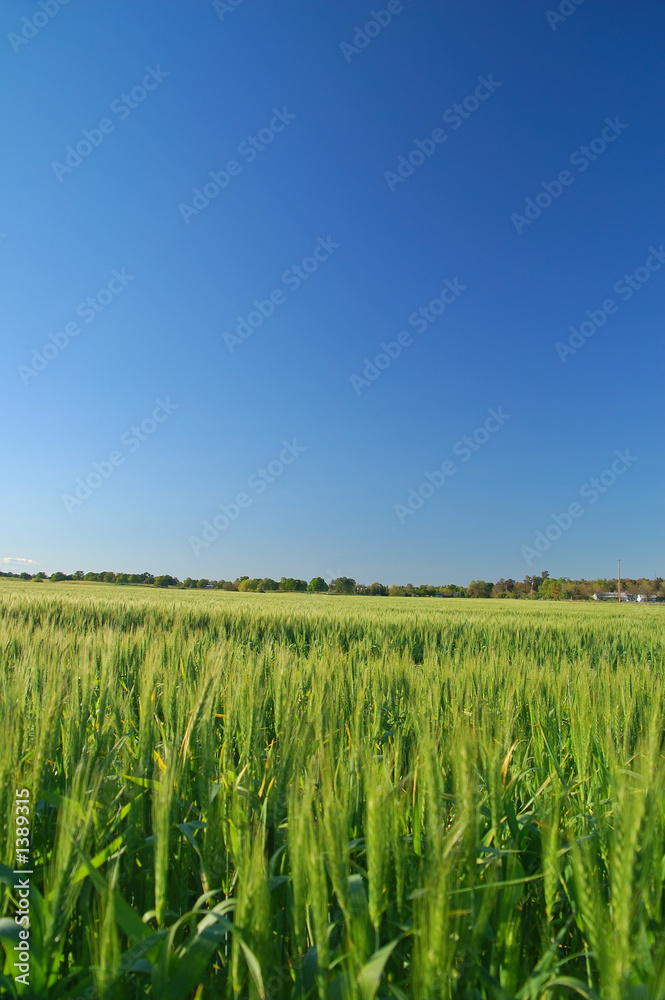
(336, 100)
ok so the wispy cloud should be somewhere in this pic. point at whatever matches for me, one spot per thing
(18, 560)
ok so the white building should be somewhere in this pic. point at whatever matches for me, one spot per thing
(628, 598)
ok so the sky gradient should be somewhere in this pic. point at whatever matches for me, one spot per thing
(366, 272)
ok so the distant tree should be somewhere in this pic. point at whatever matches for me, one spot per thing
(550, 590)
(531, 585)
(289, 585)
(586, 589)
(342, 585)
(539, 587)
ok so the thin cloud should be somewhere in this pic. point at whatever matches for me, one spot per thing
(18, 560)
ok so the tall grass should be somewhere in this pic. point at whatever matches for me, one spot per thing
(300, 796)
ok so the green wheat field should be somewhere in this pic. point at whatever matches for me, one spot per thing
(248, 795)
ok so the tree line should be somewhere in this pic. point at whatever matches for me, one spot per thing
(541, 587)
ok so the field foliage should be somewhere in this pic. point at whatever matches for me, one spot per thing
(252, 795)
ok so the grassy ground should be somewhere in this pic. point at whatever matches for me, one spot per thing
(245, 795)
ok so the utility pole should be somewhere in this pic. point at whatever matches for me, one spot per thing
(619, 579)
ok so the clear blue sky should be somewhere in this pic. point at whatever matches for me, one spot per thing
(325, 170)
